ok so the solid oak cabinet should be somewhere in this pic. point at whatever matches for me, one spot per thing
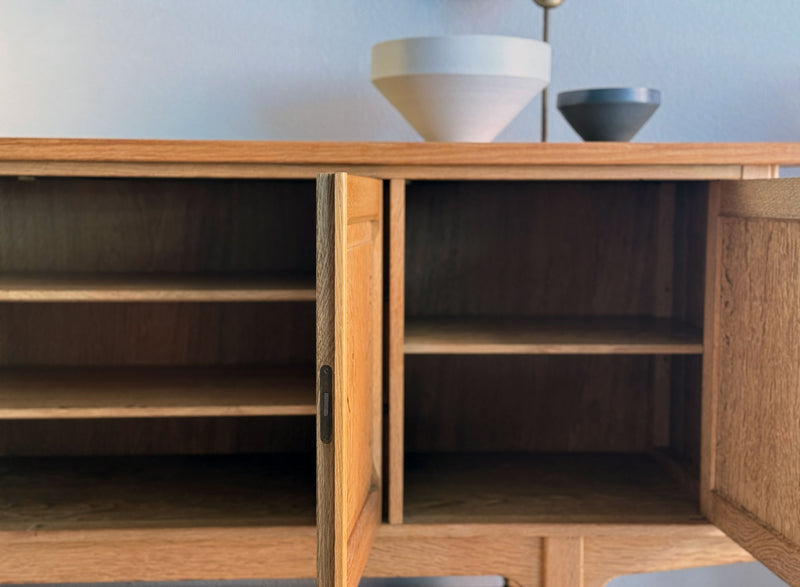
(556, 363)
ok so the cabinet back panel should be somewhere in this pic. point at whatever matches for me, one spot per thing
(141, 225)
(157, 436)
(530, 248)
(156, 334)
(527, 403)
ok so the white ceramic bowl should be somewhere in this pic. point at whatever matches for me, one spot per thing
(460, 88)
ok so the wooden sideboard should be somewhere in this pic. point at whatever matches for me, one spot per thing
(557, 363)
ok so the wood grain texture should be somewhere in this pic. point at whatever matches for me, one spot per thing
(159, 554)
(156, 226)
(326, 357)
(606, 557)
(156, 334)
(757, 410)
(495, 403)
(151, 335)
(778, 553)
(350, 217)
(395, 350)
(395, 154)
(400, 551)
(48, 494)
(544, 487)
(523, 248)
(56, 393)
(452, 170)
(52, 287)
(563, 562)
(561, 335)
(712, 313)
(761, 199)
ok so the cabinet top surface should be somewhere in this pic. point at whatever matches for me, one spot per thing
(409, 160)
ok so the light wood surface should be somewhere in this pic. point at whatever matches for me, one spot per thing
(711, 333)
(543, 487)
(143, 554)
(451, 170)
(563, 562)
(533, 335)
(251, 159)
(397, 154)
(49, 494)
(494, 250)
(139, 392)
(757, 432)
(761, 199)
(760, 171)
(350, 213)
(159, 554)
(60, 287)
(395, 325)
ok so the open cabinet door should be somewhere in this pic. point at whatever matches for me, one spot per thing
(751, 405)
(349, 399)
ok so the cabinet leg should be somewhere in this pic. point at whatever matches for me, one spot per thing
(562, 564)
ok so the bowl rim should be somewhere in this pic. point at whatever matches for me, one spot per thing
(633, 94)
(462, 54)
(461, 36)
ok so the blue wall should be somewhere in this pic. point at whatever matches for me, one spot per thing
(299, 69)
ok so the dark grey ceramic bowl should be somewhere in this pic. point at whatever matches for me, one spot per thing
(608, 114)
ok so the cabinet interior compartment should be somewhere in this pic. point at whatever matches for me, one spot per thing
(156, 353)
(156, 240)
(553, 351)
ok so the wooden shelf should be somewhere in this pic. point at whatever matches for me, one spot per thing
(550, 335)
(544, 488)
(68, 287)
(90, 493)
(139, 392)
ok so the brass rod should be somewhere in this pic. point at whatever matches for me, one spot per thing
(546, 39)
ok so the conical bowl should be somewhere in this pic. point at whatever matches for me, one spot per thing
(608, 114)
(463, 88)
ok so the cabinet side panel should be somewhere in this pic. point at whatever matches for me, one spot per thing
(758, 411)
